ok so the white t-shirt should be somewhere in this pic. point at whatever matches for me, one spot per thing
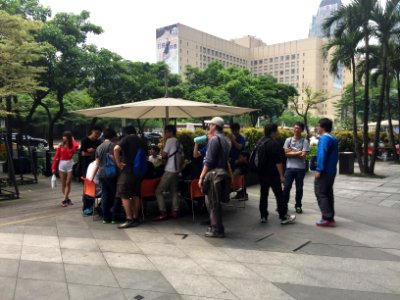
(170, 148)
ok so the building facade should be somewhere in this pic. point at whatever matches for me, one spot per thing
(299, 63)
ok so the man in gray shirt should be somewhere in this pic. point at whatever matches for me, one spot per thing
(296, 148)
(216, 176)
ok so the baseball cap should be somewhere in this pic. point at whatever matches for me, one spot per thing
(217, 121)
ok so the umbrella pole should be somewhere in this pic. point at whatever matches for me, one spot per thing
(166, 115)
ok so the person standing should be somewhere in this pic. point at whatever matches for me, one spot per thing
(128, 183)
(238, 143)
(173, 153)
(63, 163)
(271, 175)
(88, 149)
(216, 176)
(327, 158)
(296, 149)
(107, 172)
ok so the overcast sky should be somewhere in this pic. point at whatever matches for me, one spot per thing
(130, 26)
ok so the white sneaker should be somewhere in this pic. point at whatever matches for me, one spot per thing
(289, 219)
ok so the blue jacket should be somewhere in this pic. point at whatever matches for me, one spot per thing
(327, 154)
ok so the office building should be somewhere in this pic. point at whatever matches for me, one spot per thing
(299, 63)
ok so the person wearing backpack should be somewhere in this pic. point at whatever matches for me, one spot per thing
(126, 154)
(296, 149)
(327, 158)
(216, 177)
(269, 167)
(173, 154)
(107, 173)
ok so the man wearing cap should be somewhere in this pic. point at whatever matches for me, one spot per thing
(216, 176)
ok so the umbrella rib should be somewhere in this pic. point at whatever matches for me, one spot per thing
(184, 111)
(108, 111)
(146, 112)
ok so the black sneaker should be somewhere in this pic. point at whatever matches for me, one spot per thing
(264, 220)
(298, 210)
(214, 233)
(129, 223)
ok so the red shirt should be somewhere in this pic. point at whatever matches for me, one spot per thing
(63, 153)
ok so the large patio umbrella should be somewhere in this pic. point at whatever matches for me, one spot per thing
(165, 108)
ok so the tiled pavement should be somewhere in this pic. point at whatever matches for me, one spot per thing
(49, 252)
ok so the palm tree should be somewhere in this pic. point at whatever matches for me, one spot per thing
(363, 12)
(343, 49)
(386, 26)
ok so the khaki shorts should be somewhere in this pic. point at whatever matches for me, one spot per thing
(128, 186)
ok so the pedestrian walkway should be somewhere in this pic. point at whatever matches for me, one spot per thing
(50, 252)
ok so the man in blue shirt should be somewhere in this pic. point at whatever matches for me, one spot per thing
(237, 143)
(327, 157)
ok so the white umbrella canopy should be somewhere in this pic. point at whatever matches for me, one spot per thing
(164, 108)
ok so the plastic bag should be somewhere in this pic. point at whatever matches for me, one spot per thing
(53, 181)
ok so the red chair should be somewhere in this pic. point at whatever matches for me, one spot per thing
(148, 190)
(195, 193)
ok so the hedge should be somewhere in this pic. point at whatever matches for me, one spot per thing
(252, 135)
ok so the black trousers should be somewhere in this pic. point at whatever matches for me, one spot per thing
(323, 188)
(273, 182)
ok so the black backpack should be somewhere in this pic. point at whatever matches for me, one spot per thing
(258, 156)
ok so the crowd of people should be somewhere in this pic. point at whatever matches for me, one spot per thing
(118, 165)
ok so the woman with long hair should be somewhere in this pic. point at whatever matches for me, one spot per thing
(63, 163)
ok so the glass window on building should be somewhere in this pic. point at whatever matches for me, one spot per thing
(293, 56)
(287, 57)
(208, 51)
(286, 65)
(271, 60)
(260, 61)
(282, 58)
(280, 72)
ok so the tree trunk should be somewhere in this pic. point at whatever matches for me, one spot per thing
(367, 169)
(57, 116)
(9, 123)
(389, 115)
(398, 103)
(380, 113)
(254, 118)
(355, 129)
(305, 120)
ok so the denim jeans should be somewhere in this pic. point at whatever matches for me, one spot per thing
(108, 189)
(275, 184)
(296, 175)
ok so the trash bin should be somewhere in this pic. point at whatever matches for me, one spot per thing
(346, 162)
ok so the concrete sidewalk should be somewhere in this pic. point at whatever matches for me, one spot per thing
(50, 252)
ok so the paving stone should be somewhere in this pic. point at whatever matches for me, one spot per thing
(118, 246)
(147, 236)
(90, 275)
(160, 250)
(7, 287)
(142, 280)
(149, 295)
(28, 289)
(41, 230)
(227, 269)
(44, 254)
(41, 241)
(11, 238)
(198, 285)
(198, 252)
(302, 292)
(74, 232)
(115, 234)
(10, 251)
(8, 267)
(41, 271)
(88, 244)
(128, 261)
(90, 292)
(253, 289)
(178, 265)
(83, 257)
